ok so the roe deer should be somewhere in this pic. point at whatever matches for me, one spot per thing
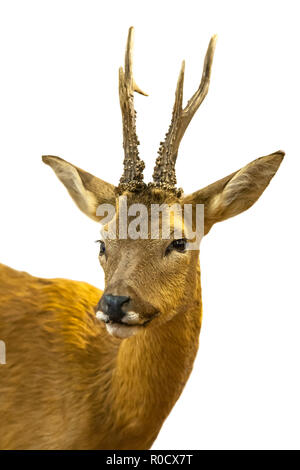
(84, 373)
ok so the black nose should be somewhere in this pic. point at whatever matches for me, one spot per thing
(112, 306)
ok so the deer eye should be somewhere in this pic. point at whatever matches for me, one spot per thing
(178, 245)
(102, 247)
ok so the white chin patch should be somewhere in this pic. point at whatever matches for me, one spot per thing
(120, 331)
(101, 316)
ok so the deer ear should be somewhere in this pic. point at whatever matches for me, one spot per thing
(237, 192)
(87, 191)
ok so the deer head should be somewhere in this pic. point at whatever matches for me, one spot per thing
(150, 279)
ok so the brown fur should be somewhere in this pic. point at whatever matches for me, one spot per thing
(68, 384)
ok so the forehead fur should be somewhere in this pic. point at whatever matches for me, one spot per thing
(151, 196)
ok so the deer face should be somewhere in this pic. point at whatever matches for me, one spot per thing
(150, 277)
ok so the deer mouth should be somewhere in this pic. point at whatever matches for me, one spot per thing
(129, 325)
(131, 319)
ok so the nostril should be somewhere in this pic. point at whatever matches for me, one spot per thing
(113, 306)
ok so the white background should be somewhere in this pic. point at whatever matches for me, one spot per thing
(59, 96)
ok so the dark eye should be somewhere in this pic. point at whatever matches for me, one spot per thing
(178, 245)
(102, 247)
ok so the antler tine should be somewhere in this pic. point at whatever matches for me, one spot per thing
(164, 175)
(132, 178)
(194, 103)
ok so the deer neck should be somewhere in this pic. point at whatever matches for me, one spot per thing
(150, 373)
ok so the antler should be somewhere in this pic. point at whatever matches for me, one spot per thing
(132, 178)
(164, 171)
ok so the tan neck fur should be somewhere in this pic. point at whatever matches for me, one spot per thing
(150, 372)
